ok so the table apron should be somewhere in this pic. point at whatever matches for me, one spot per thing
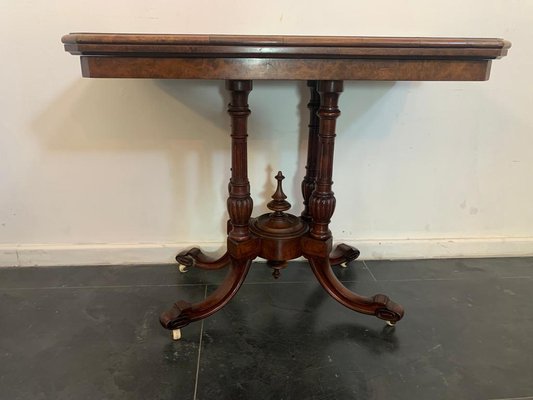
(287, 69)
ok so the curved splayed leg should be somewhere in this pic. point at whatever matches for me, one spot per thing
(183, 313)
(378, 305)
(343, 254)
(195, 258)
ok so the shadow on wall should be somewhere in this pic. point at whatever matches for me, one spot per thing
(183, 120)
(357, 99)
(186, 121)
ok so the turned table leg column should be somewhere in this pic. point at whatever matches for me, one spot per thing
(317, 245)
(242, 247)
(322, 202)
(239, 203)
(311, 168)
(321, 145)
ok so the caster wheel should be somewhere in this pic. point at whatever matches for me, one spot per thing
(390, 323)
(176, 334)
(344, 265)
(182, 268)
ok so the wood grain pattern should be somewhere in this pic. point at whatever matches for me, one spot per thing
(322, 201)
(239, 202)
(234, 57)
(311, 167)
(288, 69)
(325, 62)
(108, 42)
(183, 313)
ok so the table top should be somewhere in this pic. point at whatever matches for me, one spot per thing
(109, 55)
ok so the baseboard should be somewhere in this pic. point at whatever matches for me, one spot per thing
(160, 253)
(411, 249)
(97, 254)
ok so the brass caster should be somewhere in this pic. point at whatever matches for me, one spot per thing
(176, 333)
(182, 268)
(344, 265)
(390, 323)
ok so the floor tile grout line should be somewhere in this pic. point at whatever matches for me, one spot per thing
(260, 283)
(515, 398)
(148, 286)
(199, 352)
(517, 277)
(476, 279)
(198, 361)
(290, 282)
(368, 269)
(277, 282)
(102, 286)
(432, 279)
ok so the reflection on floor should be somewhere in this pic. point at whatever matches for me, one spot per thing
(93, 333)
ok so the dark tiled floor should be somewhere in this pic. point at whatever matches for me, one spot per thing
(93, 333)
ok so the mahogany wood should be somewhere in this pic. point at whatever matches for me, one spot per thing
(196, 258)
(311, 168)
(379, 305)
(343, 254)
(282, 46)
(183, 313)
(240, 203)
(322, 201)
(105, 55)
(324, 62)
(279, 232)
(269, 68)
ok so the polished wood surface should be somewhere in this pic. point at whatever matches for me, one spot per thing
(282, 46)
(325, 62)
(283, 57)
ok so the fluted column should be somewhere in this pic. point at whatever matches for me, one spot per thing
(239, 201)
(322, 202)
(311, 168)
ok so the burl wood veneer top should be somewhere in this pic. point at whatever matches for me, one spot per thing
(283, 46)
(110, 55)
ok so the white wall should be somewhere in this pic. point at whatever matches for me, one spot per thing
(111, 171)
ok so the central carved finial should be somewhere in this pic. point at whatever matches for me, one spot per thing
(280, 232)
(279, 204)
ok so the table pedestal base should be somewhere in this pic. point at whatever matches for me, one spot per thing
(279, 236)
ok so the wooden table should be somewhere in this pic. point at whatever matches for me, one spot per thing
(324, 62)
